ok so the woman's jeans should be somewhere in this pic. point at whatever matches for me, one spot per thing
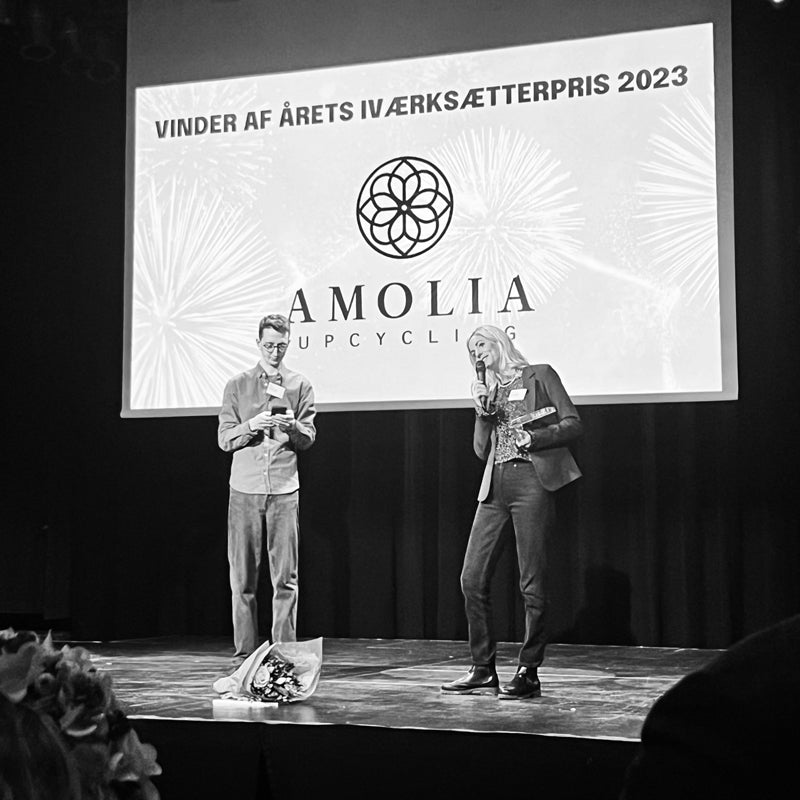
(517, 494)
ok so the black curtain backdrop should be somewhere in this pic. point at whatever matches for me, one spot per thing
(683, 532)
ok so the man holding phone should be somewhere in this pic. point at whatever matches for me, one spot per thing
(266, 418)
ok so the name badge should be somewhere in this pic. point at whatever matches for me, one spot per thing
(276, 390)
(517, 394)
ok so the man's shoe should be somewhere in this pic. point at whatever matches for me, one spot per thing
(523, 685)
(479, 680)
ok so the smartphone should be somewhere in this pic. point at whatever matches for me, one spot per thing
(278, 409)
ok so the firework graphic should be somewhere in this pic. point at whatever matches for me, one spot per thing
(679, 202)
(235, 166)
(203, 279)
(515, 213)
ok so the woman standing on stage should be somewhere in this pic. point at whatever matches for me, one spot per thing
(526, 462)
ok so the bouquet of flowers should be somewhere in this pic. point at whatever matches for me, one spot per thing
(77, 701)
(283, 672)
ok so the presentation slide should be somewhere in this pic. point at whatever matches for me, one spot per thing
(566, 192)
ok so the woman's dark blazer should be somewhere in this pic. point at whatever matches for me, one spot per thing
(553, 462)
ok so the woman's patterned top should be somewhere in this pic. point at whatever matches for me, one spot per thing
(506, 410)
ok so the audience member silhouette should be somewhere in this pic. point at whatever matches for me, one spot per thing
(728, 730)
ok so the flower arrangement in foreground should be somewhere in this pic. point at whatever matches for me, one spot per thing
(77, 701)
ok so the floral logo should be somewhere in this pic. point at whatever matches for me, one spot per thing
(404, 207)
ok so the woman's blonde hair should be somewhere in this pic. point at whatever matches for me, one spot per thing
(509, 357)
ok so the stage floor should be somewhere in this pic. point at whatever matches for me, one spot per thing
(378, 725)
(588, 691)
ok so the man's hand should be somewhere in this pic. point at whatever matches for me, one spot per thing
(262, 421)
(285, 422)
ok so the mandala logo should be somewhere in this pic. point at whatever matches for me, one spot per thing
(404, 207)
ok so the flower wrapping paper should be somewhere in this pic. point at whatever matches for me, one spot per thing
(281, 672)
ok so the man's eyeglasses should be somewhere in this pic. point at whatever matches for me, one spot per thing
(270, 346)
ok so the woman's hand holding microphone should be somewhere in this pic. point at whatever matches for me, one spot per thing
(480, 391)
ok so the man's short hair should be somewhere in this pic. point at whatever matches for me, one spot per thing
(275, 321)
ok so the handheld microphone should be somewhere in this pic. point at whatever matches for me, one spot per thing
(480, 372)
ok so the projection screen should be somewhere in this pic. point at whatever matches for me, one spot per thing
(575, 191)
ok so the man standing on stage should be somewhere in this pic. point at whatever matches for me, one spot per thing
(267, 416)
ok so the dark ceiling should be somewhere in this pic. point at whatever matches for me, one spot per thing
(84, 39)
